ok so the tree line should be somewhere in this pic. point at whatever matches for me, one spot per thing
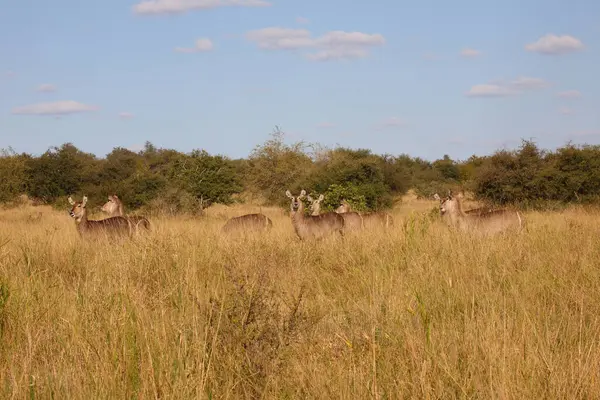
(166, 180)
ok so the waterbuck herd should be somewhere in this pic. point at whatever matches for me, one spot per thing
(317, 225)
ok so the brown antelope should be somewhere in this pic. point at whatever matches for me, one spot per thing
(373, 219)
(486, 221)
(248, 222)
(112, 226)
(313, 226)
(474, 211)
(352, 220)
(114, 208)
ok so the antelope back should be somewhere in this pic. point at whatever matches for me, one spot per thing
(319, 226)
(248, 222)
(353, 221)
(481, 220)
(378, 220)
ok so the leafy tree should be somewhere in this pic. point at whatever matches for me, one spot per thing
(275, 167)
(13, 177)
(59, 172)
(212, 179)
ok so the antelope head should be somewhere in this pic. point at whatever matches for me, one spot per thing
(78, 210)
(450, 204)
(343, 208)
(111, 207)
(296, 201)
(315, 205)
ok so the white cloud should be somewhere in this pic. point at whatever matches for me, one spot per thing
(276, 38)
(54, 108)
(489, 90)
(202, 44)
(332, 45)
(47, 88)
(149, 7)
(125, 115)
(470, 53)
(528, 83)
(570, 94)
(503, 89)
(392, 122)
(302, 20)
(553, 44)
(566, 111)
(326, 125)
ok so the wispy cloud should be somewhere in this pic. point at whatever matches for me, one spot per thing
(125, 115)
(566, 111)
(302, 20)
(156, 7)
(551, 44)
(54, 108)
(201, 45)
(46, 88)
(470, 53)
(502, 89)
(334, 45)
(570, 94)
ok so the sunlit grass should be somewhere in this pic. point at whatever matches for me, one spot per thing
(412, 312)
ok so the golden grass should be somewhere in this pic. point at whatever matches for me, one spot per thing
(417, 312)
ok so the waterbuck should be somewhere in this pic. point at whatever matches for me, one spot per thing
(486, 221)
(114, 208)
(313, 226)
(352, 220)
(248, 222)
(372, 219)
(113, 226)
(474, 211)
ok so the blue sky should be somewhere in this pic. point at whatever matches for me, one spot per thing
(424, 78)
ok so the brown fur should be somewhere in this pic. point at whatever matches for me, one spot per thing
(352, 221)
(114, 208)
(248, 222)
(368, 220)
(113, 226)
(481, 220)
(314, 226)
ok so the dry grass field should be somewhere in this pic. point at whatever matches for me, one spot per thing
(413, 312)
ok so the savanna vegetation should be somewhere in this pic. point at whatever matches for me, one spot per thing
(166, 180)
(415, 310)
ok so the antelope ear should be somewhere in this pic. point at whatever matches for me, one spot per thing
(84, 202)
(450, 194)
(71, 201)
(115, 197)
(321, 197)
(288, 194)
(437, 197)
(310, 199)
(302, 194)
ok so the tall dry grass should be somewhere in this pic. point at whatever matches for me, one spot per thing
(416, 312)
